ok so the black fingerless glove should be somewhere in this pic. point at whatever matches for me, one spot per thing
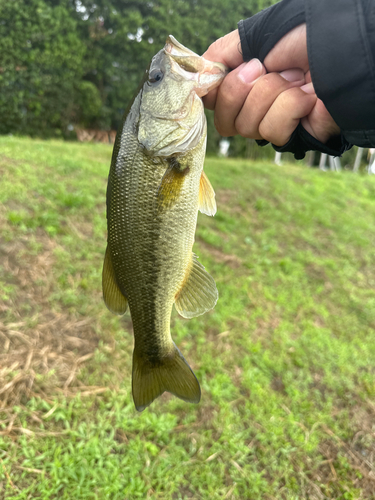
(301, 141)
(259, 34)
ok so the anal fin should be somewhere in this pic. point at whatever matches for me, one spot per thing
(112, 295)
(198, 293)
(171, 373)
(206, 201)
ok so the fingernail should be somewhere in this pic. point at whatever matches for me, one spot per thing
(293, 75)
(308, 88)
(251, 71)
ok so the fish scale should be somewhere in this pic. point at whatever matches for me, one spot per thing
(155, 187)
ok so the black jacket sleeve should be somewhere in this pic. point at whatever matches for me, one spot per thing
(341, 51)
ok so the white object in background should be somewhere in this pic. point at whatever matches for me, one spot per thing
(358, 158)
(278, 158)
(224, 147)
(334, 163)
(371, 165)
(322, 161)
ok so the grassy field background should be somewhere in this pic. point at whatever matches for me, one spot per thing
(285, 360)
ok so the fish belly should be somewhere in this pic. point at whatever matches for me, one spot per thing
(151, 248)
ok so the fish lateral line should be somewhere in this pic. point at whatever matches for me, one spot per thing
(156, 186)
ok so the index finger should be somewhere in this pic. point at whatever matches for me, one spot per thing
(226, 50)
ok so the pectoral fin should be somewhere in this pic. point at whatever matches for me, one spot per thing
(113, 298)
(198, 293)
(206, 202)
(170, 186)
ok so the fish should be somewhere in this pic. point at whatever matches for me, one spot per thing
(156, 185)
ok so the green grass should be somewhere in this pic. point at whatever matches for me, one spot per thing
(285, 360)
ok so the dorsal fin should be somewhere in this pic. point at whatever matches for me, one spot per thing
(198, 293)
(113, 298)
(206, 202)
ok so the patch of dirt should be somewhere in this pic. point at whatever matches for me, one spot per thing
(6, 160)
(277, 385)
(183, 492)
(39, 346)
(319, 322)
(225, 196)
(316, 272)
(265, 328)
(359, 454)
(230, 260)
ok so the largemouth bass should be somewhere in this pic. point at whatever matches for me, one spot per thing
(156, 185)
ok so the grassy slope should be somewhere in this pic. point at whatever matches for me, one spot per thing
(286, 359)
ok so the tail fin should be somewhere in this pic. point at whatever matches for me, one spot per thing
(171, 373)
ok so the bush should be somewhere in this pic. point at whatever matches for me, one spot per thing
(41, 68)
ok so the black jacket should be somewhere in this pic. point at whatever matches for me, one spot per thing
(341, 51)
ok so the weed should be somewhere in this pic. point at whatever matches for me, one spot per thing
(285, 360)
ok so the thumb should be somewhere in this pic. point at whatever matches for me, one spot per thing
(289, 52)
(226, 50)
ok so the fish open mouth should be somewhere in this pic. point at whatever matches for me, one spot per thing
(185, 62)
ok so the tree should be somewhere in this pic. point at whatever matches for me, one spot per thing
(79, 62)
(123, 35)
(42, 69)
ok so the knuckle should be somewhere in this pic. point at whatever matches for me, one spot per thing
(228, 97)
(243, 128)
(218, 124)
(269, 85)
(274, 135)
(220, 127)
(268, 81)
(221, 43)
(216, 47)
(269, 133)
(230, 90)
(290, 96)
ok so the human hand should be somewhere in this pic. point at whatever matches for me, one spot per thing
(261, 105)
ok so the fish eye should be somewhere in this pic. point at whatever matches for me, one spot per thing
(155, 76)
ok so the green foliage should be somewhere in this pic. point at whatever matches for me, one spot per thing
(79, 63)
(89, 104)
(286, 359)
(123, 36)
(240, 147)
(41, 58)
(213, 136)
